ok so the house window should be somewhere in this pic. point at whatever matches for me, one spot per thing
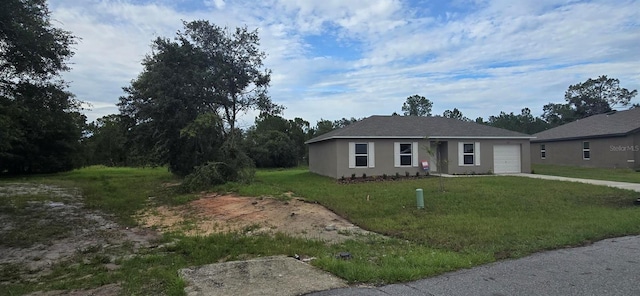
(543, 151)
(406, 154)
(468, 154)
(362, 154)
(586, 151)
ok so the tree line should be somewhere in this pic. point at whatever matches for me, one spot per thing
(594, 96)
(181, 111)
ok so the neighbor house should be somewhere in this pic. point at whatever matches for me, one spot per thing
(380, 145)
(610, 140)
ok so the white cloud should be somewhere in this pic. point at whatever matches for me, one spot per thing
(481, 57)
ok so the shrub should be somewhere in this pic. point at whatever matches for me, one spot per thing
(205, 176)
(237, 167)
(364, 176)
(353, 176)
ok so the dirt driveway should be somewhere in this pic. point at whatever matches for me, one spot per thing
(250, 215)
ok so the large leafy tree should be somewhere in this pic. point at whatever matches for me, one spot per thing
(417, 106)
(40, 121)
(323, 126)
(455, 114)
(594, 96)
(107, 142)
(523, 122)
(277, 142)
(183, 107)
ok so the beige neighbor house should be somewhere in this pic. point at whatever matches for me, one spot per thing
(610, 140)
(380, 145)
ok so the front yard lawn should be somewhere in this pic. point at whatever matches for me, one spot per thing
(475, 221)
(496, 216)
(620, 175)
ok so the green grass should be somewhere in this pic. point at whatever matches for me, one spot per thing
(119, 191)
(501, 216)
(620, 175)
(477, 220)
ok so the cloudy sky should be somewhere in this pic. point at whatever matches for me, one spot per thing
(355, 58)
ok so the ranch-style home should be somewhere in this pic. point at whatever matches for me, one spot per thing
(610, 140)
(380, 145)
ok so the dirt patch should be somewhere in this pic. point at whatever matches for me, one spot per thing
(43, 225)
(227, 213)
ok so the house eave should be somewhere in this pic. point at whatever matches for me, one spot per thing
(580, 138)
(423, 137)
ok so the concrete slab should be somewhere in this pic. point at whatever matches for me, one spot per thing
(621, 185)
(278, 275)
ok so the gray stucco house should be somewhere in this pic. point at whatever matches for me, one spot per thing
(380, 145)
(610, 140)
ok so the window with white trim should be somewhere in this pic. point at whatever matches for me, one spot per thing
(586, 151)
(361, 155)
(405, 154)
(543, 151)
(468, 153)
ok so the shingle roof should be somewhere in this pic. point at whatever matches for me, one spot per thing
(618, 123)
(381, 127)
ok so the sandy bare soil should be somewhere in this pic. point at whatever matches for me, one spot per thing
(89, 233)
(250, 215)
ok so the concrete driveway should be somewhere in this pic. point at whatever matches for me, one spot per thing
(621, 185)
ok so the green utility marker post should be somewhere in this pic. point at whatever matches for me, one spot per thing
(419, 198)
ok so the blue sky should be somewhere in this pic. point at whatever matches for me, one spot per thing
(337, 58)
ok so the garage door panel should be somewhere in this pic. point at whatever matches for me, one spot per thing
(506, 159)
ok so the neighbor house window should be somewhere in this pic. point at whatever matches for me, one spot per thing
(361, 155)
(468, 153)
(406, 154)
(586, 151)
(543, 151)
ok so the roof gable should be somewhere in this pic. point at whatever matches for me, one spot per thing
(618, 123)
(394, 126)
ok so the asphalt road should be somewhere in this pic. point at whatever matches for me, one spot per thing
(608, 267)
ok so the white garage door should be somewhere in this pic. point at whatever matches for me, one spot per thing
(506, 159)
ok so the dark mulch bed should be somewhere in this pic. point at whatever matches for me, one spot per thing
(384, 178)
